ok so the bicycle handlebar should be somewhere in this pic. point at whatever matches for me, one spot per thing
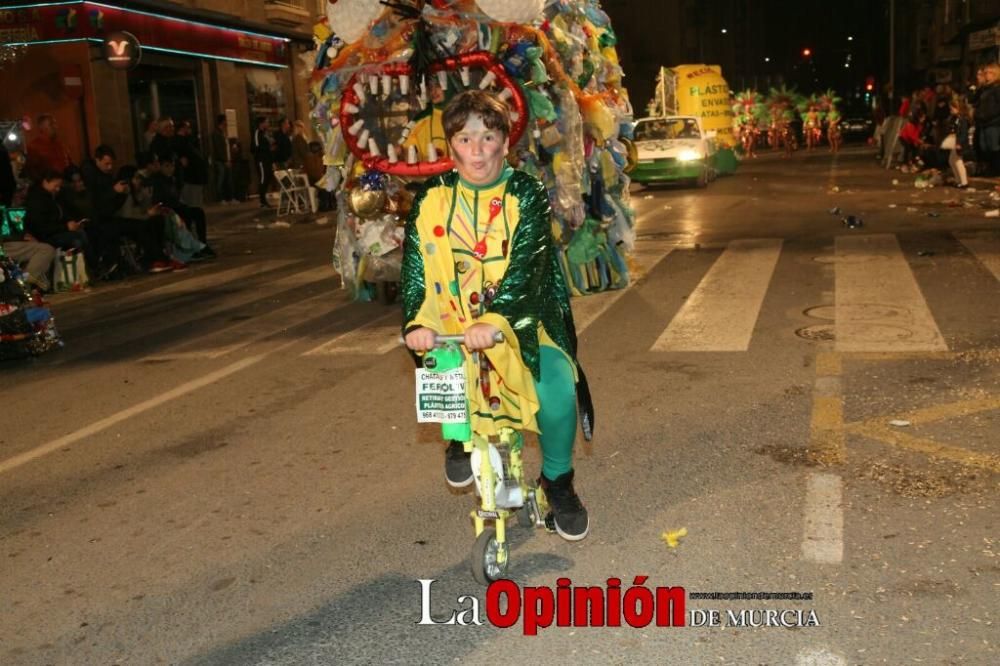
(443, 339)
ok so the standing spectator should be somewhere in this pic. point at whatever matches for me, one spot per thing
(149, 134)
(8, 184)
(300, 147)
(47, 221)
(987, 118)
(222, 162)
(283, 144)
(194, 169)
(957, 141)
(46, 151)
(240, 171)
(107, 194)
(262, 149)
(162, 144)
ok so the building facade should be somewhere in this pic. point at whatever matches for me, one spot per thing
(953, 38)
(195, 59)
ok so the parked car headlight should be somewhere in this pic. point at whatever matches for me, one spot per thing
(688, 156)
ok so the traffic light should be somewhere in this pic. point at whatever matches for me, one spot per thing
(807, 52)
(870, 83)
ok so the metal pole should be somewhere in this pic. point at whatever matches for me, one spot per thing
(892, 55)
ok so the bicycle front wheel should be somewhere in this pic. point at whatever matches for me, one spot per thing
(489, 559)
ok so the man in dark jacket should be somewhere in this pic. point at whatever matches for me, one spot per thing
(283, 144)
(191, 164)
(222, 162)
(263, 153)
(987, 118)
(46, 221)
(107, 194)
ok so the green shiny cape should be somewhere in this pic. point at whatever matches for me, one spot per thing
(533, 290)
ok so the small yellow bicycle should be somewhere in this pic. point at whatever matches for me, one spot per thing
(501, 487)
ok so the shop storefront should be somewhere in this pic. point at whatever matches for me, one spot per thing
(186, 67)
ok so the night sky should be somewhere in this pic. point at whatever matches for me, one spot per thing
(672, 32)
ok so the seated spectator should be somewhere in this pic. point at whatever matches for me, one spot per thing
(74, 197)
(107, 195)
(139, 207)
(915, 145)
(165, 194)
(47, 221)
(33, 256)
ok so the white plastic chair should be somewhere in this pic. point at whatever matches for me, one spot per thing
(293, 192)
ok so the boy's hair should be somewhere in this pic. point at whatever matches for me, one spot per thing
(490, 108)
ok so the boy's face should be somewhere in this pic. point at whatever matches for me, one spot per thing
(479, 152)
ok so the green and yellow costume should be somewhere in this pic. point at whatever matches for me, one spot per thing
(486, 254)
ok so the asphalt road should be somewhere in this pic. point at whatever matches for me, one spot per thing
(222, 466)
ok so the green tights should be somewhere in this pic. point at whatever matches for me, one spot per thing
(557, 414)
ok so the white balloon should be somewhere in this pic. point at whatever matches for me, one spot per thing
(349, 19)
(512, 11)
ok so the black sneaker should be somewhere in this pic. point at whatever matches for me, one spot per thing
(457, 465)
(569, 517)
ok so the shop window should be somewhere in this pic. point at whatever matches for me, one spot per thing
(265, 96)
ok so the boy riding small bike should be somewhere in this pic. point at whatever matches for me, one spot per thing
(479, 259)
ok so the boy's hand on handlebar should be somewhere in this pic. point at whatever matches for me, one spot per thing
(480, 336)
(421, 339)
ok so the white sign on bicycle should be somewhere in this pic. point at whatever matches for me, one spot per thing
(441, 396)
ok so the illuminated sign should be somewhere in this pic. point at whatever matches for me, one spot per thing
(122, 50)
(95, 21)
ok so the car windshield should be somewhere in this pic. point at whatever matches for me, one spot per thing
(660, 129)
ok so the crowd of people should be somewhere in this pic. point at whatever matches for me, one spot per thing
(147, 216)
(144, 217)
(944, 129)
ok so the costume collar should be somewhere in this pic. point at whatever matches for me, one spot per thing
(505, 173)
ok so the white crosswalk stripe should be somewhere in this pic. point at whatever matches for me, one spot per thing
(221, 279)
(720, 314)
(878, 304)
(244, 333)
(378, 336)
(645, 256)
(986, 248)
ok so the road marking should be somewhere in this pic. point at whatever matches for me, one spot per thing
(125, 414)
(879, 430)
(374, 337)
(243, 333)
(721, 313)
(891, 436)
(878, 304)
(646, 256)
(121, 336)
(828, 364)
(986, 248)
(823, 533)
